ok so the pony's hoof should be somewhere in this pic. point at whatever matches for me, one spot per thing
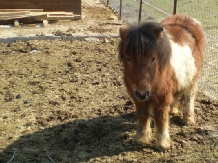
(188, 119)
(163, 145)
(142, 138)
(174, 111)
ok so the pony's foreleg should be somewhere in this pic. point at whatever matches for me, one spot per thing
(189, 114)
(161, 117)
(144, 133)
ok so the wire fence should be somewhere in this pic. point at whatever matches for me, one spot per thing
(205, 11)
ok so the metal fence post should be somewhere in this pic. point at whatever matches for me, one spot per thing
(174, 7)
(140, 12)
(120, 8)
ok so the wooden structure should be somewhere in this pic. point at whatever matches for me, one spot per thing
(26, 11)
(47, 5)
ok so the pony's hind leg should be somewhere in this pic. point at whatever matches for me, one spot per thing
(144, 133)
(189, 114)
(177, 105)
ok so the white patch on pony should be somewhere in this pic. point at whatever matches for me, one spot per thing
(183, 64)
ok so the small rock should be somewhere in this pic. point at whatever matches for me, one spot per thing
(17, 109)
(74, 52)
(69, 34)
(213, 107)
(18, 96)
(73, 80)
(77, 60)
(9, 45)
(8, 99)
(33, 51)
(214, 134)
(92, 39)
(120, 157)
(5, 117)
(112, 18)
(184, 143)
(199, 136)
(106, 40)
(26, 102)
(206, 128)
(197, 110)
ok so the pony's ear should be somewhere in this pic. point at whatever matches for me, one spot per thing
(158, 31)
(123, 32)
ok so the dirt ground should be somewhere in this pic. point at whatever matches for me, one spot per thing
(64, 101)
(97, 20)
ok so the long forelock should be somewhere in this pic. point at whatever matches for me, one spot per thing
(138, 44)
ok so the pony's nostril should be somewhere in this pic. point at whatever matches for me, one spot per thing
(137, 94)
(148, 93)
(142, 95)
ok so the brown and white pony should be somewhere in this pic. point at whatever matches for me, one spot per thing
(162, 62)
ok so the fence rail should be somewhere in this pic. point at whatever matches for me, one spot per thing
(134, 11)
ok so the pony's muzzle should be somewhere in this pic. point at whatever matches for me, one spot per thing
(142, 95)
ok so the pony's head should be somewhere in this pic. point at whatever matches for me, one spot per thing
(144, 52)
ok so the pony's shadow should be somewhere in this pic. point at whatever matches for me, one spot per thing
(176, 120)
(76, 141)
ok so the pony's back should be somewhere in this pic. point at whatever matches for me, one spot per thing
(185, 30)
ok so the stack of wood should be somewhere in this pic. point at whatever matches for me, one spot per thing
(17, 16)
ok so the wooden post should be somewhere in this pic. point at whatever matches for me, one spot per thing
(174, 7)
(120, 9)
(16, 24)
(107, 2)
(45, 23)
(140, 12)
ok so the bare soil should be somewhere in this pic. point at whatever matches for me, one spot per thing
(65, 101)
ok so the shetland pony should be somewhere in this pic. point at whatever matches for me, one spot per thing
(162, 62)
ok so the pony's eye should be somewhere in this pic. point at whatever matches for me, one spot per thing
(153, 60)
(128, 59)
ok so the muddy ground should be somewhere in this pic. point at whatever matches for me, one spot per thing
(64, 101)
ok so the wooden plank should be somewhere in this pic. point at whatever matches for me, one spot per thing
(13, 13)
(68, 13)
(64, 14)
(9, 14)
(52, 12)
(29, 19)
(39, 16)
(77, 17)
(35, 1)
(17, 10)
(55, 7)
(60, 18)
(18, 17)
(47, 5)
